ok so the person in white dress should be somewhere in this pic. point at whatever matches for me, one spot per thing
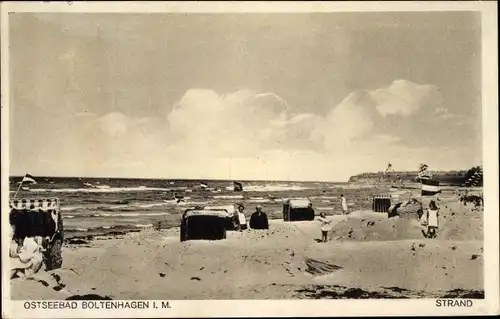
(343, 201)
(242, 221)
(326, 227)
(432, 219)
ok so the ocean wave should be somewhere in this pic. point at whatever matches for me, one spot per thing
(150, 205)
(68, 216)
(324, 197)
(143, 225)
(71, 208)
(196, 203)
(324, 208)
(274, 188)
(129, 214)
(258, 200)
(115, 208)
(121, 201)
(99, 229)
(228, 197)
(100, 189)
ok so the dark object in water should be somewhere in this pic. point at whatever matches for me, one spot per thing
(298, 209)
(77, 241)
(39, 217)
(195, 278)
(203, 224)
(162, 275)
(238, 187)
(88, 297)
(474, 257)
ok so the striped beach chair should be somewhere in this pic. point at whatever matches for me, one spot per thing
(39, 217)
(381, 203)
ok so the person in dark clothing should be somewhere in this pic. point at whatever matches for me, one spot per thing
(259, 219)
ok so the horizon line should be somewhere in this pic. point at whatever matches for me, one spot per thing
(178, 179)
(233, 179)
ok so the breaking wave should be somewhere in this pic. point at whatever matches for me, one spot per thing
(274, 188)
(228, 197)
(258, 200)
(100, 189)
(129, 214)
(71, 208)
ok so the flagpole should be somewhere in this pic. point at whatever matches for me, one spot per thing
(20, 184)
(421, 198)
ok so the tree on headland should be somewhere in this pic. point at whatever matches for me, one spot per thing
(474, 176)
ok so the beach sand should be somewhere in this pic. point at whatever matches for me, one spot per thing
(370, 256)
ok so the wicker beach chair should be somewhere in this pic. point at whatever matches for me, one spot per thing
(39, 217)
(295, 209)
(203, 224)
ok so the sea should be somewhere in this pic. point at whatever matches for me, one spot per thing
(103, 205)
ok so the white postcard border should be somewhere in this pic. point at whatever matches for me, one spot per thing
(293, 308)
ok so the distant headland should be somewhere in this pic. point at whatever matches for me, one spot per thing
(455, 178)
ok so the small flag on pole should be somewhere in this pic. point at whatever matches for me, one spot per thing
(430, 187)
(423, 173)
(28, 178)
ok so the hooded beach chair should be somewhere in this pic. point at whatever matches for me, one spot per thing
(39, 218)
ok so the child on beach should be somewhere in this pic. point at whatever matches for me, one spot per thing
(432, 219)
(326, 227)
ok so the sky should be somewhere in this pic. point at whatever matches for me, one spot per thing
(278, 96)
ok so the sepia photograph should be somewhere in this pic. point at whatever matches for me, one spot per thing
(231, 155)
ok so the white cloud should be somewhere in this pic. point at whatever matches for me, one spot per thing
(114, 124)
(404, 98)
(247, 135)
(350, 121)
(238, 123)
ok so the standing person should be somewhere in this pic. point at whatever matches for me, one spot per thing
(432, 219)
(343, 201)
(242, 221)
(259, 219)
(326, 226)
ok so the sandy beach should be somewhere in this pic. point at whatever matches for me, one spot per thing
(369, 256)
